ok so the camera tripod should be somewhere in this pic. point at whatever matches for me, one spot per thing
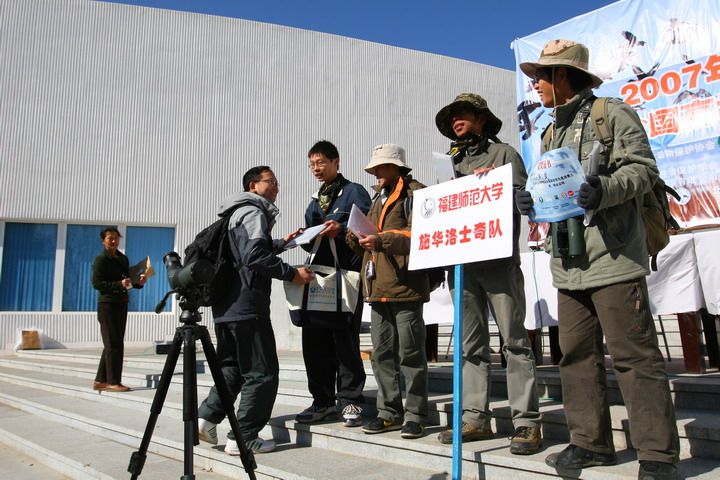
(186, 335)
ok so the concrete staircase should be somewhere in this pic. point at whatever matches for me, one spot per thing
(53, 424)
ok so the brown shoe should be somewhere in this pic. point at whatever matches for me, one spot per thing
(469, 433)
(99, 386)
(117, 388)
(526, 440)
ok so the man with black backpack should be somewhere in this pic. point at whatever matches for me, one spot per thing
(245, 338)
(601, 286)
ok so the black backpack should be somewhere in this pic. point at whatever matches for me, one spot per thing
(213, 244)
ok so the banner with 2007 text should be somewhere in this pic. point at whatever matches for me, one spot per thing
(662, 57)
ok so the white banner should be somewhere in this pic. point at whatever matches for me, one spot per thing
(463, 221)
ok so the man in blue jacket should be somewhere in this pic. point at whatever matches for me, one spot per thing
(332, 356)
(245, 338)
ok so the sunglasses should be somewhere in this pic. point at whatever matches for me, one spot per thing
(539, 74)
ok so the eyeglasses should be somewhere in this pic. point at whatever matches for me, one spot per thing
(271, 181)
(319, 164)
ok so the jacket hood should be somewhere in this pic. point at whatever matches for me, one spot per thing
(250, 198)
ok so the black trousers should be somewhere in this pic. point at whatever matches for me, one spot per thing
(112, 318)
(332, 361)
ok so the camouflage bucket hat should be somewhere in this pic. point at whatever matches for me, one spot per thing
(562, 53)
(443, 118)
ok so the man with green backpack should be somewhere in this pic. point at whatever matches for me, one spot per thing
(601, 284)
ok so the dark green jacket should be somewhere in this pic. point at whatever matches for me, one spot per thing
(497, 155)
(108, 272)
(615, 239)
(393, 281)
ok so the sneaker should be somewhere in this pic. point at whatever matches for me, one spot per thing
(575, 458)
(352, 414)
(526, 440)
(379, 425)
(412, 430)
(256, 445)
(315, 413)
(469, 433)
(656, 471)
(207, 431)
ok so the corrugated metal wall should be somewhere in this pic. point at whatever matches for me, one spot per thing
(113, 113)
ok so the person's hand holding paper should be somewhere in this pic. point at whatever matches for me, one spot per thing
(359, 224)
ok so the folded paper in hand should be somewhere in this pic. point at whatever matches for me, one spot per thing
(143, 267)
(306, 236)
(359, 224)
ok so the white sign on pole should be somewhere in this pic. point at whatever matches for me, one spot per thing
(463, 221)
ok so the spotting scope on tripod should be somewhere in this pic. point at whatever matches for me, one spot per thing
(187, 283)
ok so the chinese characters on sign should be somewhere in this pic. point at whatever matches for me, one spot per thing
(464, 220)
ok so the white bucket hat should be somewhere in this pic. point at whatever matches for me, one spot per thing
(388, 153)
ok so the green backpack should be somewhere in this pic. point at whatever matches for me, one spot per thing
(656, 214)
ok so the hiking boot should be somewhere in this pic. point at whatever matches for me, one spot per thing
(256, 445)
(207, 431)
(412, 430)
(352, 415)
(379, 425)
(315, 413)
(575, 458)
(469, 433)
(656, 471)
(526, 440)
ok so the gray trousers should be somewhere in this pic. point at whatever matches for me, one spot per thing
(398, 337)
(499, 282)
(620, 311)
(249, 364)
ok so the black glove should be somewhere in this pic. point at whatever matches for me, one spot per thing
(523, 202)
(590, 193)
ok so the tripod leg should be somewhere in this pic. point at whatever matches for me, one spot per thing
(246, 456)
(137, 460)
(189, 399)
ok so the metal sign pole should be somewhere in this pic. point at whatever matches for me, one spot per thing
(457, 372)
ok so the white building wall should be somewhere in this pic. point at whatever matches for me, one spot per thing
(120, 114)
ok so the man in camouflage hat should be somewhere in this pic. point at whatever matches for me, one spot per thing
(603, 290)
(473, 128)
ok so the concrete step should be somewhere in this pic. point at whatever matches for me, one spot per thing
(696, 392)
(67, 452)
(121, 426)
(319, 451)
(16, 464)
(481, 457)
(699, 429)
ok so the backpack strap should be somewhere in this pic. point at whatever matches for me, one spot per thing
(599, 121)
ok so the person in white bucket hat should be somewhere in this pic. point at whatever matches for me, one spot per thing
(396, 296)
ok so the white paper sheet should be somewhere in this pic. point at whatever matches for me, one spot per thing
(359, 224)
(306, 237)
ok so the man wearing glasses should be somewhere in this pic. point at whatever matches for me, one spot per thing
(332, 356)
(245, 338)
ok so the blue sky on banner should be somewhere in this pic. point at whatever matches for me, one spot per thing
(663, 58)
